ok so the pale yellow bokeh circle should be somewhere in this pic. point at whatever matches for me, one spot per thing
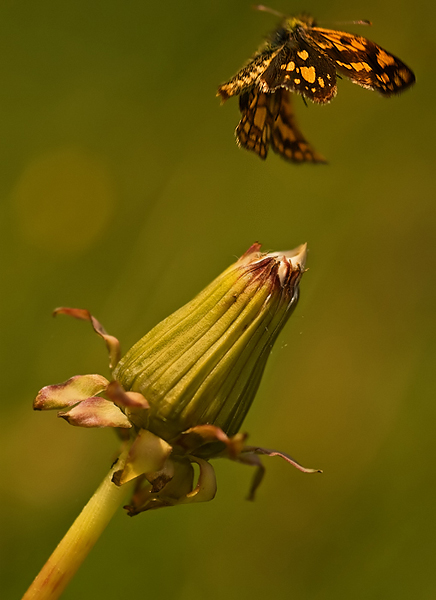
(64, 201)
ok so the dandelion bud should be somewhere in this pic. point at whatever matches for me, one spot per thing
(204, 363)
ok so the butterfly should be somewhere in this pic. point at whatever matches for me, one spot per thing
(305, 59)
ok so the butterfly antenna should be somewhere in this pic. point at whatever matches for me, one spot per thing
(268, 10)
(359, 22)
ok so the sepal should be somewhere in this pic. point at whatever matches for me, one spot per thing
(96, 412)
(69, 392)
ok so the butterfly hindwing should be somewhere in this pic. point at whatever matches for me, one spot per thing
(248, 75)
(254, 129)
(286, 138)
(268, 120)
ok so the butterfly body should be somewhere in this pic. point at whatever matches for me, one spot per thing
(305, 59)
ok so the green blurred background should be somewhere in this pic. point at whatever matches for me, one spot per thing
(123, 191)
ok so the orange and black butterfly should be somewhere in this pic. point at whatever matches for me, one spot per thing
(302, 58)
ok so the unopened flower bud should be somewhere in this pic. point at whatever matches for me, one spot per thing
(203, 364)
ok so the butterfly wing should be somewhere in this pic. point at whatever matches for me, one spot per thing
(301, 68)
(248, 75)
(362, 61)
(254, 129)
(286, 138)
(268, 120)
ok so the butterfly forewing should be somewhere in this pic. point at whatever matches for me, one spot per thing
(362, 61)
(268, 120)
(304, 70)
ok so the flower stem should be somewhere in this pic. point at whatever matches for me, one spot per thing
(58, 571)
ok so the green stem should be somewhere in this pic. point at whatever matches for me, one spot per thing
(58, 571)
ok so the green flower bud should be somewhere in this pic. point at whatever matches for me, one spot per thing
(204, 363)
